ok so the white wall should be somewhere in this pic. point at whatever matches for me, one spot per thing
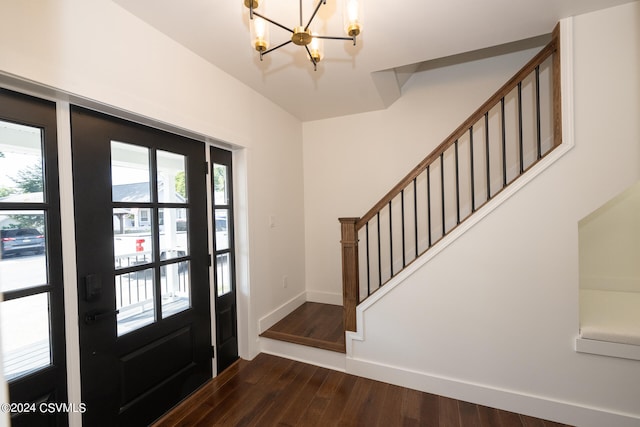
(96, 51)
(494, 317)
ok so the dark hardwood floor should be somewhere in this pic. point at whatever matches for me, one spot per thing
(312, 324)
(270, 391)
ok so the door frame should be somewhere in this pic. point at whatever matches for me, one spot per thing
(39, 112)
(227, 161)
(246, 324)
(135, 394)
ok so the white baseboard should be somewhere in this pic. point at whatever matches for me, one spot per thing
(279, 313)
(508, 400)
(324, 297)
(301, 353)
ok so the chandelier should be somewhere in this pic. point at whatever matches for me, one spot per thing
(302, 35)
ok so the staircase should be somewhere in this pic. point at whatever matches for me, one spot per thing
(499, 143)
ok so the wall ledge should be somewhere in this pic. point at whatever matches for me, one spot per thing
(607, 348)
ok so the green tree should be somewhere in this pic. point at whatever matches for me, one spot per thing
(31, 220)
(219, 178)
(181, 184)
(29, 179)
(6, 191)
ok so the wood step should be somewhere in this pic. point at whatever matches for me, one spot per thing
(312, 324)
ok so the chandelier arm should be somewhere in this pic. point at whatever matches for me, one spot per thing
(315, 63)
(334, 38)
(320, 3)
(272, 21)
(274, 48)
(337, 38)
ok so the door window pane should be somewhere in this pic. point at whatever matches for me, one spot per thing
(174, 237)
(20, 164)
(175, 288)
(132, 242)
(23, 259)
(222, 229)
(26, 345)
(134, 300)
(220, 185)
(172, 185)
(129, 173)
(223, 274)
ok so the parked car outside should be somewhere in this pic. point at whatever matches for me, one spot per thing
(21, 240)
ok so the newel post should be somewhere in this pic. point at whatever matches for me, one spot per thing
(349, 242)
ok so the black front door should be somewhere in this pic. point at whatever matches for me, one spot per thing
(142, 260)
(224, 259)
(32, 310)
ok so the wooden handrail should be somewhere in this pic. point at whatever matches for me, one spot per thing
(557, 88)
(547, 51)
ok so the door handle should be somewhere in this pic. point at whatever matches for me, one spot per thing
(95, 316)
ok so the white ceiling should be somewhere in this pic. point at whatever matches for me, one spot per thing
(396, 37)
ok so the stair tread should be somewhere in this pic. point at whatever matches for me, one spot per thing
(312, 324)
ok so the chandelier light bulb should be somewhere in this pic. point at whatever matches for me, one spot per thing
(259, 34)
(352, 15)
(316, 48)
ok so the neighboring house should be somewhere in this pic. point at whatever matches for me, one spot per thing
(494, 318)
(129, 220)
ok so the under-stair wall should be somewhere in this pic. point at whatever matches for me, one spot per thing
(493, 318)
